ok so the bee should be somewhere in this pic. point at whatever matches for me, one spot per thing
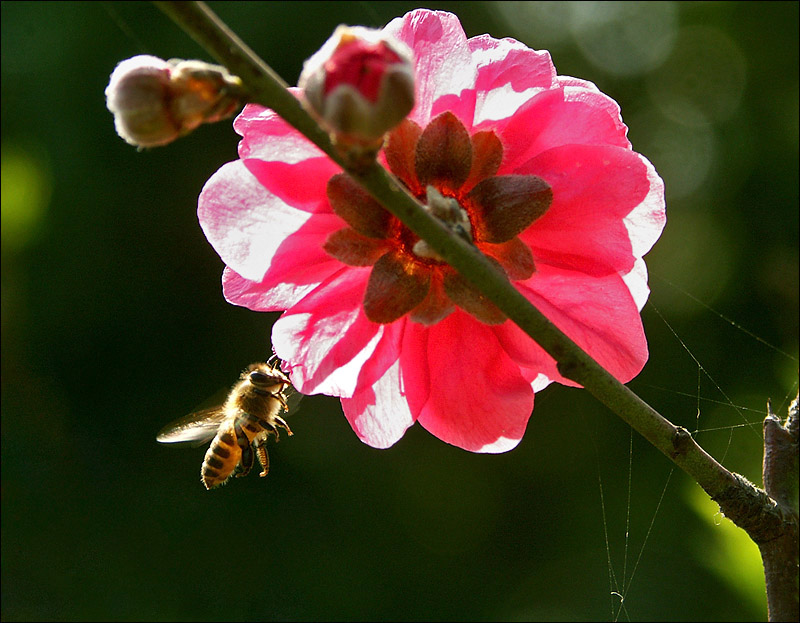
(241, 426)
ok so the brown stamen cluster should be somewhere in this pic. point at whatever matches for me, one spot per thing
(454, 175)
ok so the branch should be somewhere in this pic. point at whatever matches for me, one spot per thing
(742, 502)
(779, 551)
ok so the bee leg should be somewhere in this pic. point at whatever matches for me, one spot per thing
(263, 458)
(281, 399)
(246, 462)
(267, 428)
(282, 423)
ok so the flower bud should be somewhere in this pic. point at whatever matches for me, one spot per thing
(155, 101)
(360, 85)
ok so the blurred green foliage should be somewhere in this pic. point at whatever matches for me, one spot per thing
(113, 324)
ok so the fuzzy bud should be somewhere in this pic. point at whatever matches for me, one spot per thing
(155, 101)
(360, 85)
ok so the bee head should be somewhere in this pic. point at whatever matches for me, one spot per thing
(267, 379)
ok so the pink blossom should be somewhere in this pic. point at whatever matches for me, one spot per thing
(372, 316)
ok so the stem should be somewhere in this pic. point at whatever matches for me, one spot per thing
(746, 505)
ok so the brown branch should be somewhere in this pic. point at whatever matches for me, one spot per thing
(779, 548)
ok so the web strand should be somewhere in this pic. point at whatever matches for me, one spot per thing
(728, 400)
(628, 509)
(644, 543)
(613, 584)
(734, 324)
(122, 24)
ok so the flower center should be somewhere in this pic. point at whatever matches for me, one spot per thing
(455, 176)
(451, 214)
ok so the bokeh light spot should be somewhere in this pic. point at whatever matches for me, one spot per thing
(624, 38)
(26, 189)
(706, 72)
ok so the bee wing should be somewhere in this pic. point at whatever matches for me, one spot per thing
(293, 398)
(199, 427)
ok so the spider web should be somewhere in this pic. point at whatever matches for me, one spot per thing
(621, 573)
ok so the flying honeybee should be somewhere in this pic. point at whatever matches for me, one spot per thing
(241, 426)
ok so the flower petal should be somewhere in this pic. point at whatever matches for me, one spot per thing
(597, 313)
(647, 220)
(267, 136)
(298, 266)
(301, 184)
(509, 74)
(245, 223)
(559, 117)
(442, 60)
(536, 366)
(478, 401)
(276, 292)
(378, 412)
(594, 189)
(326, 338)
(258, 297)
(510, 62)
(636, 280)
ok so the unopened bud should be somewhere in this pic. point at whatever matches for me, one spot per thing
(155, 101)
(360, 85)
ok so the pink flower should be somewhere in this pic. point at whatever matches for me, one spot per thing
(532, 167)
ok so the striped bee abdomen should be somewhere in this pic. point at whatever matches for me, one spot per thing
(221, 459)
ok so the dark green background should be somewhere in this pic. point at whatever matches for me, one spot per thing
(113, 323)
